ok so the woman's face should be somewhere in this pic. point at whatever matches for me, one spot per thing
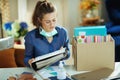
(49, 21)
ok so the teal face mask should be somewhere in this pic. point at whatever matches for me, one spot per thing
(48, 34)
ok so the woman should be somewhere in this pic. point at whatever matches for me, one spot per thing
(46, 37)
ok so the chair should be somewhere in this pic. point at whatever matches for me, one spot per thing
(113, 26)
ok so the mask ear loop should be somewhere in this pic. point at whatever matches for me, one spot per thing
(40, 28)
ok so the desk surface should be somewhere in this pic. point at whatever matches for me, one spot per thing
(6, 72)
(116, 73)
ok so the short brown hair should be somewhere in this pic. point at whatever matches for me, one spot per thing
(41, 8)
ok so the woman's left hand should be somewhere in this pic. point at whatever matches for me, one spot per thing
(30, 61)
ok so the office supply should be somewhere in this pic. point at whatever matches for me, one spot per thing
(48, 59)
(98, 74)
(90, 30)
(51, 72)
(41, 64)
(47, 72)
(61, 73)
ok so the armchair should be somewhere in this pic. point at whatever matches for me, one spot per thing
(113, 26)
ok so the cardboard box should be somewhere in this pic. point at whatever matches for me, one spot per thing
(92, 56)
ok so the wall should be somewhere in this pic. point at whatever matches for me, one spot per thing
(13, 9)
(71, 15)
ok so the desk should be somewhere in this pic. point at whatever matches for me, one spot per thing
(6, 72)
(116, 73)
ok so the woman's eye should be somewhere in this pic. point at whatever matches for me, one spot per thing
(47, 22)
(54, 20)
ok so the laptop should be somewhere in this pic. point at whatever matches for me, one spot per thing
(99, 74)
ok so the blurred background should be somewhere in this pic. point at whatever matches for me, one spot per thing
(70, 13)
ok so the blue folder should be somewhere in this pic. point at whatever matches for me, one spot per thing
(91, 30)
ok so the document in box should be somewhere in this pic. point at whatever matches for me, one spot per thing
(48, 59)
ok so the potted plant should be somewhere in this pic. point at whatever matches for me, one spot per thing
(16, 29)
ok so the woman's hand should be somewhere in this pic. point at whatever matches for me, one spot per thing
(66, 51)
(30, 61)
(61, 48)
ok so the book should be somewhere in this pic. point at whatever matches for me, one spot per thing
(48, 59)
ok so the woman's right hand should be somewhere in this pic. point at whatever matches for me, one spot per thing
(30, 61)
(66, 51)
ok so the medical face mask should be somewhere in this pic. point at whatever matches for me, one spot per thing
(48, 34)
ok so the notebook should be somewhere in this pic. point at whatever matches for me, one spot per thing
(90, 30)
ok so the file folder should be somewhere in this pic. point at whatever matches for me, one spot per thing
(91, 30)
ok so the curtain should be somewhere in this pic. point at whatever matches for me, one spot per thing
(5, 10)
(5, 14)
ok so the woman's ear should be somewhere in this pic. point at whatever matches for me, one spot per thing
(39, 19)
(40, 28)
